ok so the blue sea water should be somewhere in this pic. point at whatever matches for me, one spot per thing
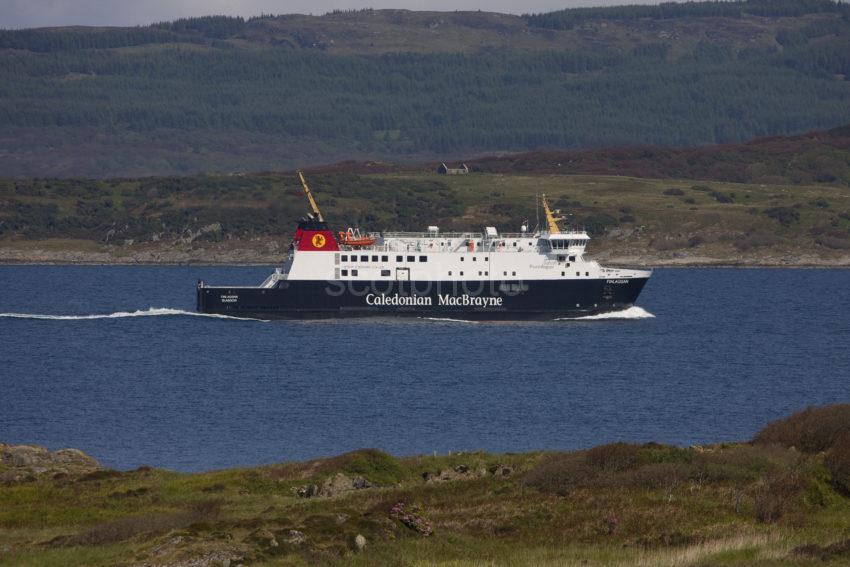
(727, 351)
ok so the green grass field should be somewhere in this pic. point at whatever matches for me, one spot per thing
(761, 503)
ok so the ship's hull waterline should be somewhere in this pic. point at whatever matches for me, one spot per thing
(512, 300)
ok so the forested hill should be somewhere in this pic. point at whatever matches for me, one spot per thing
(228, 94)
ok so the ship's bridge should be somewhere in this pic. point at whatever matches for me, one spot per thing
(572, 240)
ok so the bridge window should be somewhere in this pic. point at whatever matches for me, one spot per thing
(345, 257)
(385, 258)
(399, 258)
(423, 258)
(411, 258)
(364, 258)
(374, 258)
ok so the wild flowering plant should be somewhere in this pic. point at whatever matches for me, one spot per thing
(411, 518)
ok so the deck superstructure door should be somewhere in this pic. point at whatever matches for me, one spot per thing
(402, 274)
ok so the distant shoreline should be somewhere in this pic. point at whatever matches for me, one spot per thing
(270, 252)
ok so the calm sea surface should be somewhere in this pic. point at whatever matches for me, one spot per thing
(726, 351)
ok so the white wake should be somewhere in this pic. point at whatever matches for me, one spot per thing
(446, 320)
(150, 312)
(633, 312)
(630, 313)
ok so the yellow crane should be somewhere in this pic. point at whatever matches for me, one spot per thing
(551, 219)
(310, 198)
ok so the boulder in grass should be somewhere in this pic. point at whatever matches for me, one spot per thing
(21, 463)
(335, 485)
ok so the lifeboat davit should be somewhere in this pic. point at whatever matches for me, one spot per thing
(352, 237)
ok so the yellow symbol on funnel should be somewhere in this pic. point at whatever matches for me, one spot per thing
(319, 240)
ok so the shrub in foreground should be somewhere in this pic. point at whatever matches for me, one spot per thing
(613, 457)
(838, 463)
(654, 466)
(779, 496)
(812, 430)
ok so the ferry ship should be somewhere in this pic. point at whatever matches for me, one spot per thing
(537, 275)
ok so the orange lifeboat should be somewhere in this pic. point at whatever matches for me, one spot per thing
(352, 237)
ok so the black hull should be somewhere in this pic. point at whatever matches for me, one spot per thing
(541, 300)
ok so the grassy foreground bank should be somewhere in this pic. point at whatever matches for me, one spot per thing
(781, 499)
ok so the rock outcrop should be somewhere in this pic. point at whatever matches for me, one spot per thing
(333, 486)
(464, 472)
(22, 463)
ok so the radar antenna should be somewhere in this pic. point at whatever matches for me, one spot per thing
(551, 219)
(310, 198)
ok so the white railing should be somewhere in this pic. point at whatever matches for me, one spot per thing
(435, 235)
(454, 242)
(571, 232)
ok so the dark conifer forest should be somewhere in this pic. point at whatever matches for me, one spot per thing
(229, 94)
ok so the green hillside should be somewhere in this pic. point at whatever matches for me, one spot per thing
(226, 94)
(773, 201)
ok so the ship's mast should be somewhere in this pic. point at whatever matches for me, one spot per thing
(551, 219)
(310, 198)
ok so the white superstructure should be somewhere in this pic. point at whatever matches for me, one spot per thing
(432, 256)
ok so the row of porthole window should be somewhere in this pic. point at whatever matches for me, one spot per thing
(375, 258)
(384, 273)
(365, 258)
(514, 273)
(387, 273)
(479, 273)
